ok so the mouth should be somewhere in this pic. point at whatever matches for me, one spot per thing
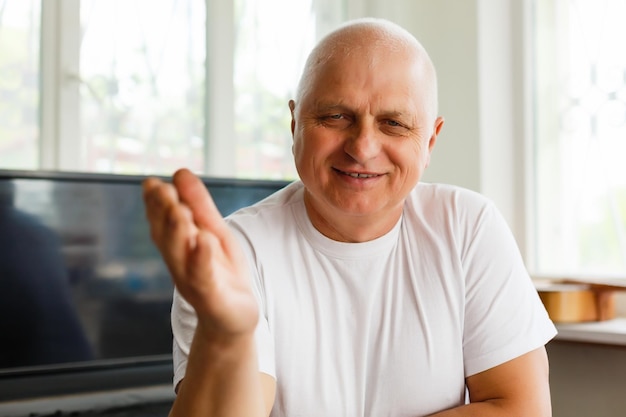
(363, 175)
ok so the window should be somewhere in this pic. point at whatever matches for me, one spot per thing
(141, 85)
(196, 83)
(19, 74)
(580, 116)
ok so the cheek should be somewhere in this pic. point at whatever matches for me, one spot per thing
(300, 151)
(421, 153)
(308, 145)
(302, 156)
(407, 157)
(410, 160)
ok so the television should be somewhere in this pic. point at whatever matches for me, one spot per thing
(84, 295)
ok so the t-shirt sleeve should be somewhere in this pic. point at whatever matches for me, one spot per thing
(504, 316)
(184, 323)
(263, 335)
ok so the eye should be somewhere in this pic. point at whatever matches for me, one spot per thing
(393, 127)
(335, 120)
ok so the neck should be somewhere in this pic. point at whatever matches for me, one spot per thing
(350, 228)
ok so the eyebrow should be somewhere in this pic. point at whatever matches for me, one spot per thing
(395, 114)
(331, 105)
(339, 106)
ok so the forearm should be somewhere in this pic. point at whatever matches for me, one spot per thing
(491, 408)
(222, 379)
(519, 387)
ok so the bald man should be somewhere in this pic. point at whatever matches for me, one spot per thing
(358, 290)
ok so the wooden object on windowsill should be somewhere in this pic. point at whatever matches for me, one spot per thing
(574, 301)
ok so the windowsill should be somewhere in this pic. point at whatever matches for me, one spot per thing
(609, 332)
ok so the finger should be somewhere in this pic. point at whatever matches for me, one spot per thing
(206, 215)
(177, 239)
(171, 222)
(159, 197)
(204, 259)
(194, 194)
(180, 222)
(152, 188)
(219, 299)
(149, 184)
(157, 194)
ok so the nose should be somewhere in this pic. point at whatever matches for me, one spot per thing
(363, 143)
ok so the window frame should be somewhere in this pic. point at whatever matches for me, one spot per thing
(59, 144)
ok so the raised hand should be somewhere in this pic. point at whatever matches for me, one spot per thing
(202, 255)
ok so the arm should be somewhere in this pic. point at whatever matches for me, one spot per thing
(210, 272)
(223, 381)
(518, 387)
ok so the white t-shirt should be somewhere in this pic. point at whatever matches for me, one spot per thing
(389, 327)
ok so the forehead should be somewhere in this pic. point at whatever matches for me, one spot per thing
(388, 80)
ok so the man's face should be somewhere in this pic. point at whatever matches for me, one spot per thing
(363, 133)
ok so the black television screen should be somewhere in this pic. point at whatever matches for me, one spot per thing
(83, 291)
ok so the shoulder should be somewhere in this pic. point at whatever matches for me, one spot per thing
(270, 212)
(445, 200)
(446, 193)
(278, 200)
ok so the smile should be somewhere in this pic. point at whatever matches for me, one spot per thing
(358, 175)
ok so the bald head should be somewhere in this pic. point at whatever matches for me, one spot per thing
(372, 39)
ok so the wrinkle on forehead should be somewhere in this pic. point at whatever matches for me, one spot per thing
(372, 40)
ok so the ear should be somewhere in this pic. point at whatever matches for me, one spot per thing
(292, 108)
(433, 138)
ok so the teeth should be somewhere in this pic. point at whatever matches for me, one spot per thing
(357, 175)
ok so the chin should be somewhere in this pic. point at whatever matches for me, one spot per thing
(356, 209)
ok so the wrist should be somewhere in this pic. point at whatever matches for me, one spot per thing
(219, 342)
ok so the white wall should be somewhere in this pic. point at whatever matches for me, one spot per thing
(478, 47)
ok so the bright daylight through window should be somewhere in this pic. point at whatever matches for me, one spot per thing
(580, 149)
(137, 93)
(19, 83)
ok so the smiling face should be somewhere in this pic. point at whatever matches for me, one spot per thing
(363, 129)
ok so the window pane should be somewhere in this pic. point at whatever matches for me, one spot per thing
(142, 93)
(581, 137)
(20, 25)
